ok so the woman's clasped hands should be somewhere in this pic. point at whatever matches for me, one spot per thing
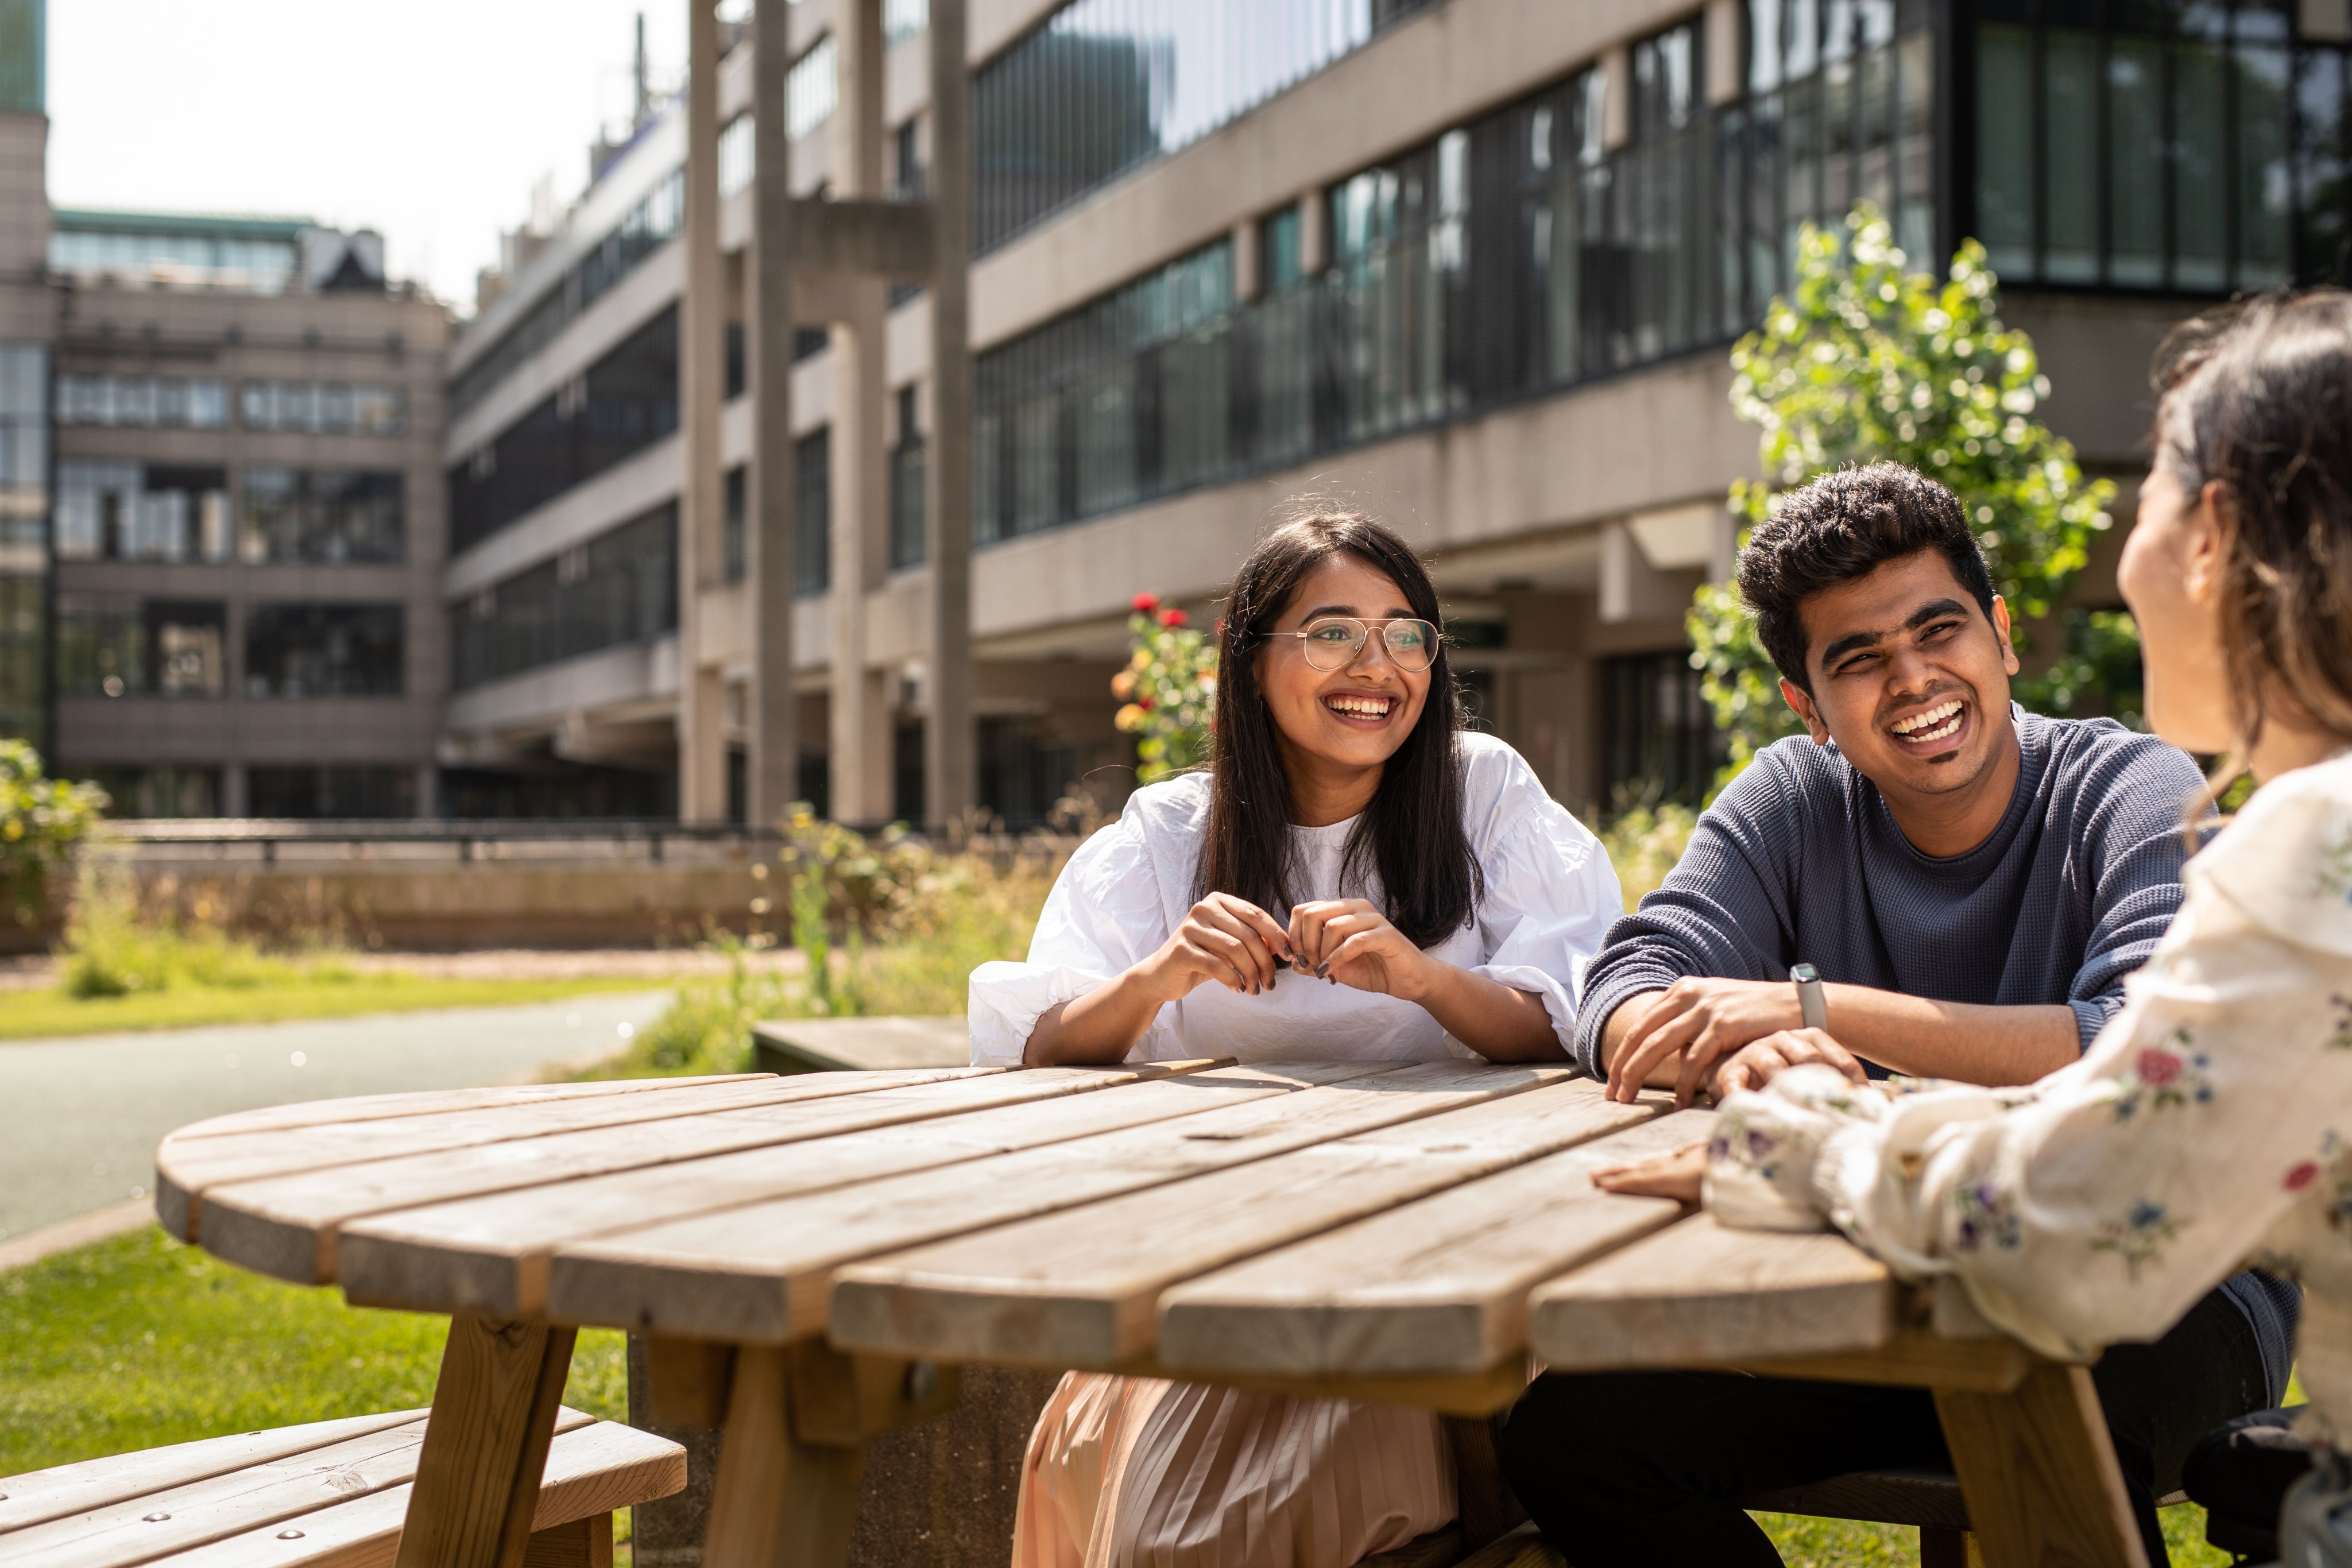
(1344, 941)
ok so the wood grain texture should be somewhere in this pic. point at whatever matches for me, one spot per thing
(591, 1467)
(288, 1226)
(762, 1272)
(39, 1496)
(2039, 1473)
(1700, 1294)
(840, 1400)
(778, 1502)
(1080, 1287)
(489, 1254)
(1440, 1285)
(434, 1102)
(1486, 1508)
(485, 1444)
(583, 1543)
(687, 1382)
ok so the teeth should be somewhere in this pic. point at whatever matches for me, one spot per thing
(1368, 707)
(1933, 725)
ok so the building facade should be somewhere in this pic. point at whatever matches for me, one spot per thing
(1469, 265)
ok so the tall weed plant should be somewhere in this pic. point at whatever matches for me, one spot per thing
(114, 946)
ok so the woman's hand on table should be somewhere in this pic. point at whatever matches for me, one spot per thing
(1676, 1175)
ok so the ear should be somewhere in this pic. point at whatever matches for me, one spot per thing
(2000, 630)
(1794, 696)
(2205, 538)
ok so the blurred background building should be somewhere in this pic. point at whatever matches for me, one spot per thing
(1471, 265)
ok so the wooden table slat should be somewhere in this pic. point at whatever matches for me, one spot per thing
(287, 1226)
(434, 1103)
(762, 1272)
(1079, 1288)
(206, 1510)
(185, 1168)
(490, 1254)
(39, 1496)
(1702, 1294)
(1434, 1286)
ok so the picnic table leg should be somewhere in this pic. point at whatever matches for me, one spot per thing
(2039, 1473)
(485, 1444)
(778, 1502)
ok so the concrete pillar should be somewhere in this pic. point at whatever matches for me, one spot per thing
(236, 792)
(1632, 588)
(771, 709)
(701, 369)
(1249, 264)
(1314, 234)
(1723, 62)
(861, 716)
(1616, 98)
(950, 782)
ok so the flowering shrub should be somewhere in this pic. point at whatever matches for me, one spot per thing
(41, 819)
(1169, 689)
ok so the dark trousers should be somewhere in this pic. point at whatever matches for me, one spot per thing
(1648, 1469)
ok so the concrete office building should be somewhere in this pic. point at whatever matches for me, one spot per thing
(26, 326)
(1471, 265)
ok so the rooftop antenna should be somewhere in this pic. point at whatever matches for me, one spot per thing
(644, 92)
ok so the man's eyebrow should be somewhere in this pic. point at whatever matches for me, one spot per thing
(1855, 642)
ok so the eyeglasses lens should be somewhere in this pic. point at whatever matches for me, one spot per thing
(1335, 644)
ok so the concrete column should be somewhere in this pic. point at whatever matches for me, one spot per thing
(772, 706)
(1723, 62)
(860, 710)
(1314, 234)
(949, 775)
(2326, 21)
(702, 325)
(1249, 265)
(236, 792)
(1616, 98)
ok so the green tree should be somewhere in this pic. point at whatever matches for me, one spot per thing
(1168, 690)
(1865, 360)
(41, 819)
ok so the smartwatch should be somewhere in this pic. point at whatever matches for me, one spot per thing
(1810, 1001)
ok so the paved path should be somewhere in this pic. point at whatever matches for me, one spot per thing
(79, 1119)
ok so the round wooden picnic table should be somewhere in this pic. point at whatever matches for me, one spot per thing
(811, 1257)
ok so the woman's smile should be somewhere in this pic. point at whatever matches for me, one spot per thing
(1363, 709)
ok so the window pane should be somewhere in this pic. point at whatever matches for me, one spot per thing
(2265, 184)
(2070, 178)
(2005, 148)
(2136, 161)
(2200, 212)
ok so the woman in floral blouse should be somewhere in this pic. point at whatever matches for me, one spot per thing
(2210, 1124)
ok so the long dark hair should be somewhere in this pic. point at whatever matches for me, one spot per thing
(2254, 397)
(1411, 833)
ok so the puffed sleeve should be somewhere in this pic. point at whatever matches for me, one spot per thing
(1104, 916)
(2098, 1205)
(1551, 895)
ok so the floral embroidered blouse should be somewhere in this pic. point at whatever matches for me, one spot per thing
(2210, 1126)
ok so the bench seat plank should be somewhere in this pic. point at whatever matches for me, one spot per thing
(489, 1254)
(39, 1496)
(140, 1529)
(186, 1167)
(286, 1226)
(762, 1273)
(1080, 1287)
(1700, 1294)
(590, 1470)
(1436, 1286)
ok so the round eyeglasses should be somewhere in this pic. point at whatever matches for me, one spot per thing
(1335, 642)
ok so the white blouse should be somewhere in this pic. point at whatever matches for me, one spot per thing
(2205, 1128)
(1550, 895)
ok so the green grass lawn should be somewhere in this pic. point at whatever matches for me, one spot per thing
(31, 1015)
(141, 1341)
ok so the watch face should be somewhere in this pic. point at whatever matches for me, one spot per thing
(1804, 974)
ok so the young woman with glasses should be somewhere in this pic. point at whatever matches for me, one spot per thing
(1354, 876)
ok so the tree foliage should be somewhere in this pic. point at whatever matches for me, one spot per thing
(41, 819)
(1865, 360)
(1168, 690)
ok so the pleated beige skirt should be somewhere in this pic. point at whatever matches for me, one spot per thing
(1138, 1472)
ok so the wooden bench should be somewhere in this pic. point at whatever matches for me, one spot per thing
(329, 1494)
(859, 1044)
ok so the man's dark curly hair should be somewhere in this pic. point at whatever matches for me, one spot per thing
(1844, 526)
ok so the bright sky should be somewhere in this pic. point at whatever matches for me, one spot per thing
(428, 119)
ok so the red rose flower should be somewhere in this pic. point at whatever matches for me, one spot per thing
(2158, 1068)
(1172, 618)
(1145, 603)
(2302, 1176)
(1143, 703)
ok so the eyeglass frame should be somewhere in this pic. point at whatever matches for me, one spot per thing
(1364, 626)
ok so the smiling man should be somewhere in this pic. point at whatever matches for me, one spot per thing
(1973, 883)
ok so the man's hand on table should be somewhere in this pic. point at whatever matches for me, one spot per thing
(1703, 1021)
(1678, 1175)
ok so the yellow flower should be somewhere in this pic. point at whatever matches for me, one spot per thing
(1122, 684)
(1142, 660)
(1129, 720)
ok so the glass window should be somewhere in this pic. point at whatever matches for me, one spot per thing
(112, 645)
(131, 511)
(736, 164)
(332, 793)
(150, 792)
(324, 651)
(812, 89)
(1658, 738)
(813, 514)
(144, 400)
(331, 408)
(732, 541)
(331, 516)
(908, 542)
(619, 588)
